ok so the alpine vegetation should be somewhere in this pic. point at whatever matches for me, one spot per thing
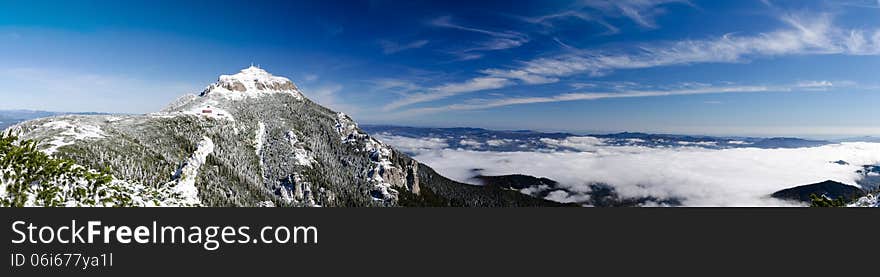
(250, 139)
(33, 178)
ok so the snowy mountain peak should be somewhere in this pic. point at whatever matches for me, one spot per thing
(250, 81)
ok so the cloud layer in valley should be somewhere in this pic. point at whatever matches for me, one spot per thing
(697, 176)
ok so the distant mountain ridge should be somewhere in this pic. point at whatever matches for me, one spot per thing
(525, 140)
(860, 139)
(12, 117)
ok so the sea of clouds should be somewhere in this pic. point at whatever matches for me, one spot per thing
(698, 176)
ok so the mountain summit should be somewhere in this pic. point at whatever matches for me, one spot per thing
(251, 80)
(250, 139)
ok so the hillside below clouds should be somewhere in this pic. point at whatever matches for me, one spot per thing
(250, 139)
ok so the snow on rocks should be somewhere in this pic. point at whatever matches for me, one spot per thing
(250, 82)
(348, 129)
(259, 137)
(380, 156)
(382, 174)
(869, 201)
(301, 156)
(298, 190)
(185, 177)
(266, 204)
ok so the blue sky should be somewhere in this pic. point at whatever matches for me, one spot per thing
(805, 68)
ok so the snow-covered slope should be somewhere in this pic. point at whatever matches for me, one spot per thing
(184, 182)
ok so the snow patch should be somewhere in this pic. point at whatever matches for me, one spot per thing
(258, 139)
(71, 133)
(205, 109)
(185, 177)
(301, 156)
(267, 204)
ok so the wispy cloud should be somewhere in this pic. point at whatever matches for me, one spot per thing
(815, 85)
(448, 90)
(466, 56)
(582, 85)
(871, 4)
(522, 75)
(580, 96)
(446, 22)
(394, 84)
(391, 47)
(641, 12)
(310, 77)
(549, 19)
(804, 34)
(498, 44)
(684, 89)
(499, 40)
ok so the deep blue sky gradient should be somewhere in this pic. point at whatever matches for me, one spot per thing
(133, 57)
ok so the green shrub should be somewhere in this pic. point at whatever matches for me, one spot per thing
(32, 178)
(822, 201)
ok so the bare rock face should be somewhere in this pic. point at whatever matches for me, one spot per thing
(283, 86)
(412, 177)
(234, 86)
(389, 171)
